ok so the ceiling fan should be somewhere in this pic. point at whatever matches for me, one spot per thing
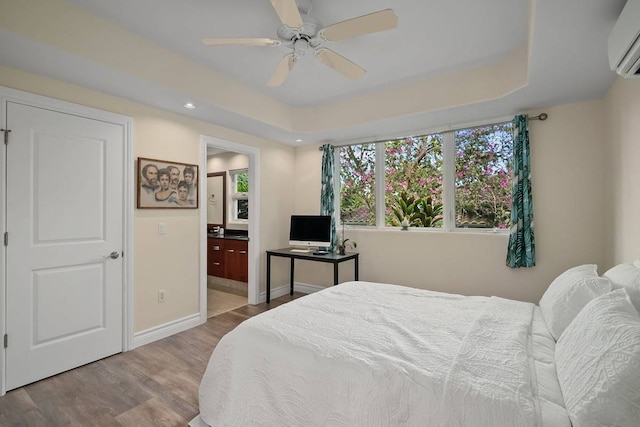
(301, 32)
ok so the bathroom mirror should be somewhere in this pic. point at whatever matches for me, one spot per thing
(216, 199)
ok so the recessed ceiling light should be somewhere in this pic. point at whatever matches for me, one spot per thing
(189, 105)
(298, 140)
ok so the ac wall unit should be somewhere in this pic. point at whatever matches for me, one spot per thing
(624, 41)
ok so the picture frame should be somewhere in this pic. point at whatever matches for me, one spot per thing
(162, 184)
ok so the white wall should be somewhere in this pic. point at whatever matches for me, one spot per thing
(623, 144)
(568, 175)
(171, 262)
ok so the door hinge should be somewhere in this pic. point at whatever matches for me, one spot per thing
(6, 340)
(6, 238)
(6, 135)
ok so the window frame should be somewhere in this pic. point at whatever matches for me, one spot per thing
(236, 196)
(448, 182)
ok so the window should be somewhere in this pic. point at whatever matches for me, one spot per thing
(483, 176)
(240, 194)
(458, 179)
(357, 184)
(413, 181)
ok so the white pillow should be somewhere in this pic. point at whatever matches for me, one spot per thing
(598, 363)
(568, 293)
(637, 263)
(626, 276)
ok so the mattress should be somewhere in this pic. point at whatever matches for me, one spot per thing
(370, 354)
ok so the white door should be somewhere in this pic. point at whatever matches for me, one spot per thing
(64, 218)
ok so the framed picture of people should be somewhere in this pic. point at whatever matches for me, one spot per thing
(167, 185)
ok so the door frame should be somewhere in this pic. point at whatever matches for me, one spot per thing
(128, 193)
(253, 288)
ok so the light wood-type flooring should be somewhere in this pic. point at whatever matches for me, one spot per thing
(153, 385)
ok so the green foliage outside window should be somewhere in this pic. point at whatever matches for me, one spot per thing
(242, 182)
(413, 168)
(416, 211)
(413, 179)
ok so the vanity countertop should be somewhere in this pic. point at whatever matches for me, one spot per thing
(227, 236)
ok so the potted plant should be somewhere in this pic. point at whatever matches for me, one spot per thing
(342, 243)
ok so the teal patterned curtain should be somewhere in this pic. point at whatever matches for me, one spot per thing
(522, 250)
(327, 195)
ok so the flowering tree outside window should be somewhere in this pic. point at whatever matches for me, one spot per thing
(483, 176)
(357, 184)
(415, 183)
(413, 168)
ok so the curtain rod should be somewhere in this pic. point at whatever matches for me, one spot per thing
(542, 117)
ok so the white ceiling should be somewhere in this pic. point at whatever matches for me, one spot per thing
(566, 54)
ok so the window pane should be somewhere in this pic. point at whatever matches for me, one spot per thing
(483, 176)
(357, 184)
(413, 181)
(242, 209)
(242, 182)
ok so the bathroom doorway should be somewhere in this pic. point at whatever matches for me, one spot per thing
(230, 223)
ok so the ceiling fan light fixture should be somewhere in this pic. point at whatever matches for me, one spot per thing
(300, 46)
(301, 32)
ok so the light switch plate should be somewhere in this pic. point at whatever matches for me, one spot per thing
(162, 229)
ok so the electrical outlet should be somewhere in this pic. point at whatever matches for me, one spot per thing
(161, 296)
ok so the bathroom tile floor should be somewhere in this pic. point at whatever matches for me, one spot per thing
(220, 302)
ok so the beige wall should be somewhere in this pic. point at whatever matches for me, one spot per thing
(171, 262)
(623, 139)
(568, 190)
(571, 183)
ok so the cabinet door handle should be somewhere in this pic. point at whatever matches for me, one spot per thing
(216, 263)
(243, 252)
(216, 248)
(230, 250)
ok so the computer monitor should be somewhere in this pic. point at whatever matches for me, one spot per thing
(310, 231)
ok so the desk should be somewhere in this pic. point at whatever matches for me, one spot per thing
(332, 258)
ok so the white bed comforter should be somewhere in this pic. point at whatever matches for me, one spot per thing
(369, 354)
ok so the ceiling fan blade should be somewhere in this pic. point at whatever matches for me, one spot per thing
(288, 13)
(340, 64)
(282, 70)
(241, 41)
(366, 24)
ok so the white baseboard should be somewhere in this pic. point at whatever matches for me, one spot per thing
(284, 290)
(162, 331)
(306, 288)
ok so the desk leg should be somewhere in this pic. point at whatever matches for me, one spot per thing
(356, 268)
(335, 273)
(268, 278)
(292, 267)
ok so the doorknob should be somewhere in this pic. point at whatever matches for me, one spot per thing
(113, 255)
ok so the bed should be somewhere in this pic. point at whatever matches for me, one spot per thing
(372, 354)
